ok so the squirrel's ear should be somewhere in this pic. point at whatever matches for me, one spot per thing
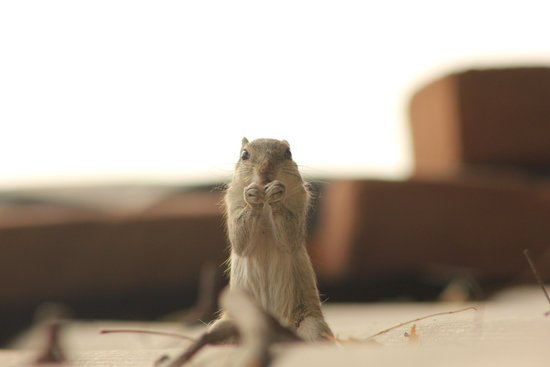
(286, 142)
(244, 142)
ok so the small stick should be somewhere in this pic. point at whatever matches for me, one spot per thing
(537, 277)
(207, 304)
(249, 325)
(53, 317)
(52, 353)
(420, 319)
(149, 332)
(217, 336)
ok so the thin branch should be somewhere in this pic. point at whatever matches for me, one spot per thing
(249, 325)
(208, 290)
(52, 353)
(213, 337)
(537, 276)
(420, 319)
(149, 332)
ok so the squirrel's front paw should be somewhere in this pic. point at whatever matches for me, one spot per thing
(274, 192)
(253, 194)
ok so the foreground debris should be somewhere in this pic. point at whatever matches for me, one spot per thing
(252, 328)
(537, 277)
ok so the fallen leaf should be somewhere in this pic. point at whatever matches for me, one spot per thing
(414, 338)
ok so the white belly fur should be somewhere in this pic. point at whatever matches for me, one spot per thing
(269, 276)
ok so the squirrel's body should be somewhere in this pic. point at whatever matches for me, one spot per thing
(266, 208)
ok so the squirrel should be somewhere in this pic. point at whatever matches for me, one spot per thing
(266, 205)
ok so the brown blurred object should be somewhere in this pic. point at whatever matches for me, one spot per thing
(479, 194)
(432, 229)
(483, 119)
(123, 263)
(83, 253)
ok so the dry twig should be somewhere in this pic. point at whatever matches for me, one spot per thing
(537, 277)
(51, 318)
(420, 319)
(148, 332)
(207, 305)
(249, 325)
(52, 353)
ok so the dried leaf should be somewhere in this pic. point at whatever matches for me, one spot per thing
(414, 338)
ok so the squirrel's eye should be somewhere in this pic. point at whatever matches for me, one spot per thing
(245, 155)
(288, 154)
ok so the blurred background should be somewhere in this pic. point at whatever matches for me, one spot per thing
(424, 127)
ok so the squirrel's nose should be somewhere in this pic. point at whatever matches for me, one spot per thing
(263, 166)
(265, 172)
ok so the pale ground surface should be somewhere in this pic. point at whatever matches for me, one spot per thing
(509, 330)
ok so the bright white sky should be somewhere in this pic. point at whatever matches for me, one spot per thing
(144, 91)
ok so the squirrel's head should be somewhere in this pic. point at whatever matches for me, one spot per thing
(265, 160)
